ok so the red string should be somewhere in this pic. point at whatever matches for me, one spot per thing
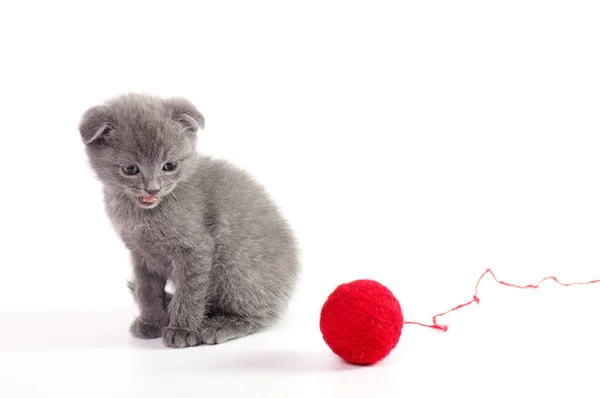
(475, 299)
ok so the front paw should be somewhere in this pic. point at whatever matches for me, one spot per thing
(180, 338)
(145, 330)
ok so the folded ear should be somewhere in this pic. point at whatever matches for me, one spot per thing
(184, 112)
(95, 124)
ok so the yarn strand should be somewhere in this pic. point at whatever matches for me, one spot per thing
(436, 326)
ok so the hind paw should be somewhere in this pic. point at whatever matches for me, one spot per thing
(218, 330)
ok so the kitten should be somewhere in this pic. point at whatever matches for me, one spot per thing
(202, 224)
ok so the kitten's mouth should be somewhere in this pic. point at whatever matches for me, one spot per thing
(148, 200)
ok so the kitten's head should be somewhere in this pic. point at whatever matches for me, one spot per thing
(141, 145)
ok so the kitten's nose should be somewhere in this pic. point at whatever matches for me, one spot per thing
(153, 191)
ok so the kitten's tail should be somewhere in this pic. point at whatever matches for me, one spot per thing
(131, 286)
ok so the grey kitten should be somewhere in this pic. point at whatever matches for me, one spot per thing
(202, 224)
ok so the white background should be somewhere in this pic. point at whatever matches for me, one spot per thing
(415, 143)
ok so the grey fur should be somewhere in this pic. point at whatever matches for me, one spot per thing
(213, 232)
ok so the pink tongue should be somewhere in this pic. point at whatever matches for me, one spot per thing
(149, 199)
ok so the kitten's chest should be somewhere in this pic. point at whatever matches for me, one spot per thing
(155, 232)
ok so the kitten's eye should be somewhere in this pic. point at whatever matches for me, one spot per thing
(131, 169)
(169, 166)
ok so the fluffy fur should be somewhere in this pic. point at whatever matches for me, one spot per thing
(212, 231)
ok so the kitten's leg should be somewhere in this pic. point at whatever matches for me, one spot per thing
(149, 293)
(221, 328)
(168, 296)
(190, 276)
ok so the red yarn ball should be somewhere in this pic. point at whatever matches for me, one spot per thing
(361, 321)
